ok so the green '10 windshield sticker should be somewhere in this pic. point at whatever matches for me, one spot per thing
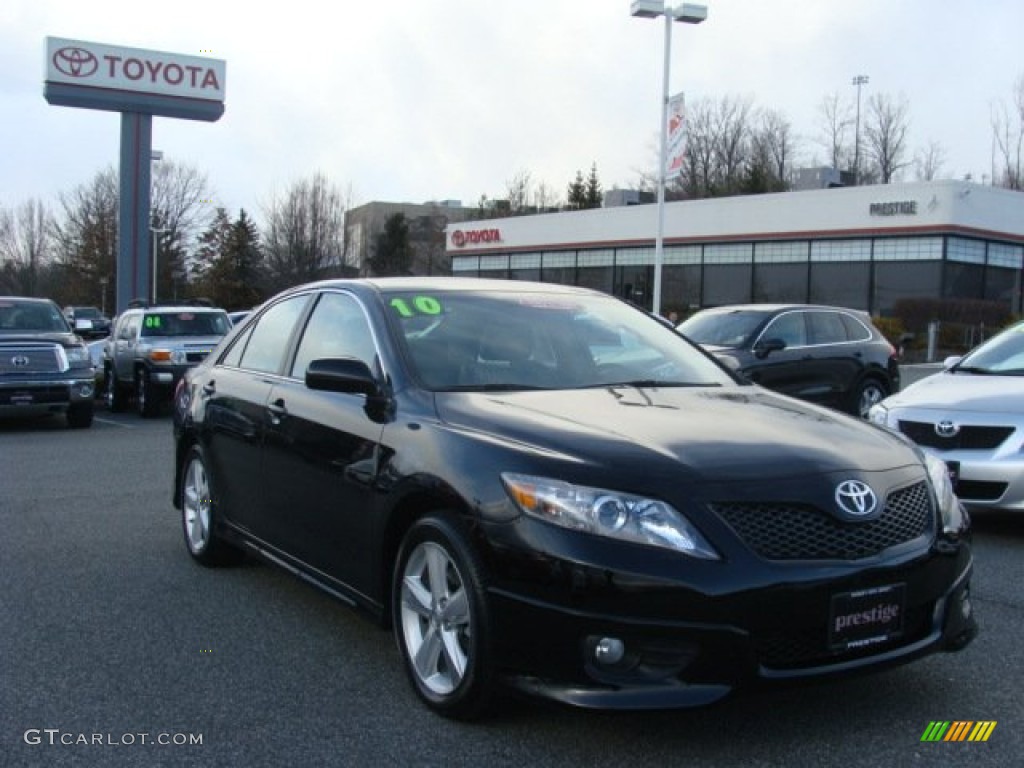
(153, 321)
(420, 305)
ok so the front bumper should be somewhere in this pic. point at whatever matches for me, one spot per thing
(41, 395)
(167, 376)
(690, 641)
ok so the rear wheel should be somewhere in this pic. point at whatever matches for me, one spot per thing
(870, 391)
(442, 618)
(198, 513)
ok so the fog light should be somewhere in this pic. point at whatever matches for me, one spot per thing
(609, 650)
(85, 390)
(965, 605)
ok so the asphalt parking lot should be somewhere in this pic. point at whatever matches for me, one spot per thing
(113, 640)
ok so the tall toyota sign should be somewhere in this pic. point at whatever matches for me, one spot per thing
(137, 83)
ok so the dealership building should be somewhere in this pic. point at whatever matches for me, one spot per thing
(861, 247)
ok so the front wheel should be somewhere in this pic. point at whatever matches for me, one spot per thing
(198, 513)
(442, 620)
(869, 392)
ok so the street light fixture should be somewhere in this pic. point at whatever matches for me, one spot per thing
(859, 80)
(156, 231)
(687, 13)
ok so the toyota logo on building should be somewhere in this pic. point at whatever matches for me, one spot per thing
(856, 498)
(19, 361)
(75, 62)
(947, 429)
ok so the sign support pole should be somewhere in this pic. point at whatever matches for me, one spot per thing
(134, 277)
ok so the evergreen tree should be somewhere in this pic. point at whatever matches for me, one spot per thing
(593, 194)
(392, 251)
(576, 194)
(236, 279)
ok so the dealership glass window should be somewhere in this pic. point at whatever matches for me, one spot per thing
(465, 264)
(781, 282)
(964, 250)
(682, 254)
(908, 249)
(1003, 284)
(559, 275)
(773, 253)
(728, 253)
(841, 250)
(726, 284)
(524, 266)
(632, 256)
(680, 287)
(604, 257)
(598, 278)
(492, 264)
(905, 280)
(840, 283)
(559, 259)
(633, 283)
(1002, 255)
(964, 281)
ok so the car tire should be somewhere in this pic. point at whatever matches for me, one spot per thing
(79, 415)
(145, 395)
(199, 514)
(869, 391)
(442, 626)
(114, 392)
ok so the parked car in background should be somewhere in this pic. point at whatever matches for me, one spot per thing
(541, 486)
(971, 415)
(828, 355)
(44, 366)
(88, 322)
(150, 349)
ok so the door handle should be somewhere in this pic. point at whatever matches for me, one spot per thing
(277, 411)
(209, 387)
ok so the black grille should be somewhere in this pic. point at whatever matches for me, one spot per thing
(968, 438)
(781, 531)
(980, 490)
(47, 395)
(808, 646)
(24, 359)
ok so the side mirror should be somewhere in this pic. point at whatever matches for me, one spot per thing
(763, 348)
(949, 362)
(341, 374)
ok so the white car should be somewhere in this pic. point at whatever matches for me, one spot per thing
(971, 415)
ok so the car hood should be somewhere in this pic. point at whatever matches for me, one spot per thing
(699, 434)
(64, 339)
(947, 391)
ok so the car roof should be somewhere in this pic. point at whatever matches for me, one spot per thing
(388, 284)
(778, 308)
(33, 299)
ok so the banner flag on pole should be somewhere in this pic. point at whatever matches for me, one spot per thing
(675, 150)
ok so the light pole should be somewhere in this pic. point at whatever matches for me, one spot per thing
(859, 80)
(687, 13)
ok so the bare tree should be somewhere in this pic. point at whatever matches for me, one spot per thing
(775, 132)
(26, 247)
(85, 236)
(885, 134)
(929, 160)
(546, 197)
(836, 121)
(182, 207)
(518, 192)
(1008, 139)
(304, 238)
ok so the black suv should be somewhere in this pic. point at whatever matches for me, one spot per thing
(828, 355)
(44, 367)
(151, 347)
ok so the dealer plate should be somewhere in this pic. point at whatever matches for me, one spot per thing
(866, 616)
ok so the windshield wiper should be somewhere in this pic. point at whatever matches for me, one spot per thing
(649, 383)
(490, 388)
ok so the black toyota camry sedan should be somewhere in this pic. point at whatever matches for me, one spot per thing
(543, 488)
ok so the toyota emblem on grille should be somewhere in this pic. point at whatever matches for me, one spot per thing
(19, 361)
(856, 498)
(947, 429)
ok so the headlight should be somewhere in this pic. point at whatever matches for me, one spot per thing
(953, 521)
(78, 357)
(607, 513)
(175, 356)
(879, 415)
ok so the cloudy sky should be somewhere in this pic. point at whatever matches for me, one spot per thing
(450, 99)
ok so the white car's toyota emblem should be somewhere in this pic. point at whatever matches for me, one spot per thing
(947, 429)
(856, 498)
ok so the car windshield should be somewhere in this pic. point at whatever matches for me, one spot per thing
(31, 316)
(1003, 354)
(722, 328)
(185, 323)
(481, 340)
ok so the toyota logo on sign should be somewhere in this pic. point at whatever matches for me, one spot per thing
(856, 498)
(75, 62)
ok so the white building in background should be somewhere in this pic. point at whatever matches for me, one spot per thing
(861, 247)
